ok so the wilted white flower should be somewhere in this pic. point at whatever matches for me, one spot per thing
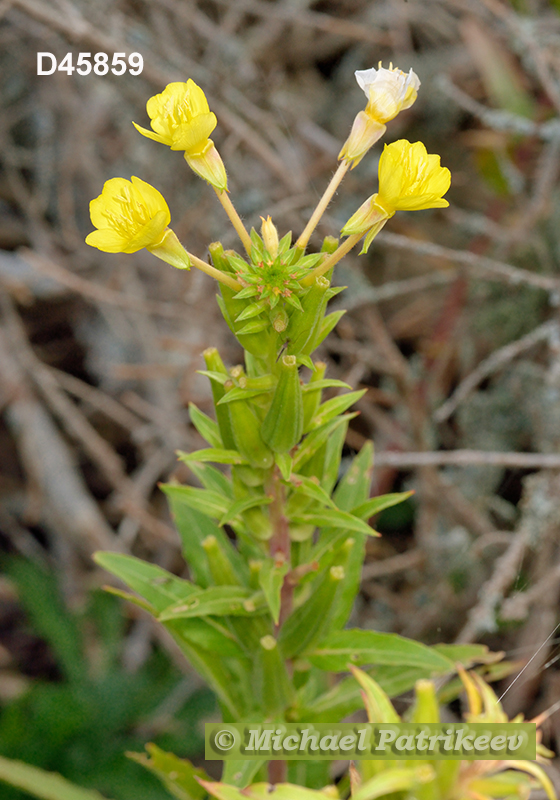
(388, 91)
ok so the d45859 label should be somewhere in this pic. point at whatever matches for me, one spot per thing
(98, 63)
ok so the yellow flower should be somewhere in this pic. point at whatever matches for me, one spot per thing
(181, 118)
(131, 215)
(389, 91)
(410, 179)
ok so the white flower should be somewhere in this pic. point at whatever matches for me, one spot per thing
(388, 91)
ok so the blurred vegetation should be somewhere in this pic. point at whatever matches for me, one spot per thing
(84, 719)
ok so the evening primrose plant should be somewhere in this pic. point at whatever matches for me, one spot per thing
(273, 536)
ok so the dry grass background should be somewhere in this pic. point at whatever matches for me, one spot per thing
(453, 315)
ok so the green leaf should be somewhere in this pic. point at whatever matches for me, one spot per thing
(354, 488)
(399, 779)
(211, 478)
(329, 323)
(219, 377)
(41, 598)
(249, 291)
(333, 407)
(376, 504)
(209, 503)
(371, 647)
(42, 784)
(251, 311)
(254, 326)
(315, 440)
(378, 706)
(240, 506)
(310, 488)
(468, 654)
(271, 580)
(328, 518)
(333, 455)
(285, 462)
(211, 635)
(176, 774)
(234, 601)
(155, 584)
(241, 772)
(304, 360)
(194, 527)
(207, 427)
(212, 454)
(243, 394)
(325, 383)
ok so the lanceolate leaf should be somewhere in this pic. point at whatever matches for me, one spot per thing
(354, 487)
(315, 440)
(240, 506)
(242, 394)
(194, 527)
(212, 454)
(370, 647)
(333, 407)
(376, 504)
(271, 578)
(311, 489)
(207, 427)
(234, 601)
(155, 584)
(211, 503)
(241, 772)
(42, 784)
(329, 518)
(325, 383)
(211, 478)
(176, 774)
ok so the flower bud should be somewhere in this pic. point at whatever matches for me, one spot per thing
(283, 425)
(270, 237)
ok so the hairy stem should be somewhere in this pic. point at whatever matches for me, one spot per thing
(235, 219)
(222, 277)
(333, 259)
(322, 204)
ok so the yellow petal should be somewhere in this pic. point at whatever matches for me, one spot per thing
(157, 137)
(154, 200)
(150, 235)
(192, 136)
(197, 98)
(107, 240)
(106, 201)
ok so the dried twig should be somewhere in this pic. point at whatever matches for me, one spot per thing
(499, 359)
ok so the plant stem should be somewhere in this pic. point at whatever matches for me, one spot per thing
(277, 772)
(235, 219)
(223, 277)
(333, 259)
(322, 205)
